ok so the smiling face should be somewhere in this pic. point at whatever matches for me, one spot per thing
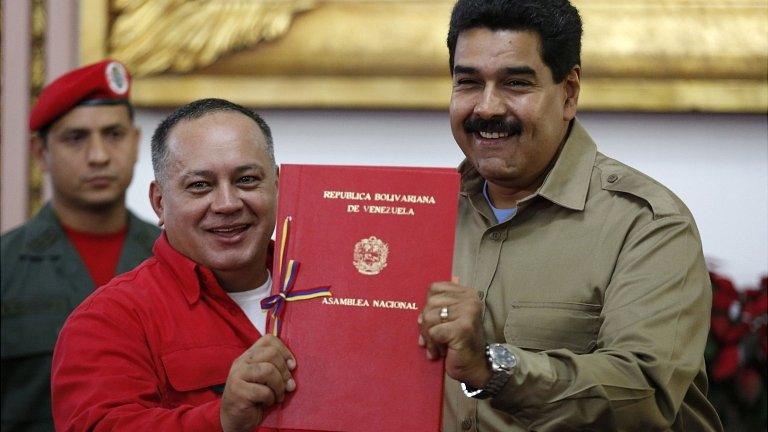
(507, 114)
(217, 201)
(90, 153)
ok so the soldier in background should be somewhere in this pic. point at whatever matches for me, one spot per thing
(85, 139)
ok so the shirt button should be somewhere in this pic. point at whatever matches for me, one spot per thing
(495, 236)
(480, 295)
(466, 424)
(612, 178)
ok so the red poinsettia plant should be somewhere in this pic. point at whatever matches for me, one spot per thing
(737, 351)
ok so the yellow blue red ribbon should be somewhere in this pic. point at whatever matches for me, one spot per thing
(276, 303)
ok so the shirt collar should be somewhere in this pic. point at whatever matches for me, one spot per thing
(566, 184)
(472, 189)
(191, 276)
(184, 270)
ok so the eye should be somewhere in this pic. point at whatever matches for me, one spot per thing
(465, 82)
(115, 134)
(248, 180)
(517, 83)
(74, 137)
(198, 186)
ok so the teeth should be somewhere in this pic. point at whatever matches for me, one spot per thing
(493, 135)
(227, 230)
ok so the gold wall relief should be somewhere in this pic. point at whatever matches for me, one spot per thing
(36, 83)
(645, 55)
(154, 37)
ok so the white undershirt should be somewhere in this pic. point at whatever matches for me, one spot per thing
(250, 303)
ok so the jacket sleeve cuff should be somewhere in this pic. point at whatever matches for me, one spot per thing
(208, 416)
(530, 383)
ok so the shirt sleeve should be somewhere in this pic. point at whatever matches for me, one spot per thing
(103, 377)
(649, 347)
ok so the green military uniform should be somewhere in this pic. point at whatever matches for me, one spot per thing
(43, 279)
(598, 285)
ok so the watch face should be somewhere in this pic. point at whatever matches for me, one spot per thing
(502, 357)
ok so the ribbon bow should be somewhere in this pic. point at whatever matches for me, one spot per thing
(276, 303)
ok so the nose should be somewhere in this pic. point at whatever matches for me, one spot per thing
(226, 200)
(491, 104)
(97, 152)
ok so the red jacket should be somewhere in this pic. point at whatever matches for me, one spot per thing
(150, 350)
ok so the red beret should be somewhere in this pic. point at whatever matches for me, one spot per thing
(106, 79)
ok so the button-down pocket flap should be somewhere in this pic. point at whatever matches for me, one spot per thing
(553, 325)
(31, 327)
(200, 367)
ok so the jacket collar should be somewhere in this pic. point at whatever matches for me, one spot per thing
(192, 277)
(566, 184)
(46, 239)
(44, 231)
(186, 272)
(138, 243)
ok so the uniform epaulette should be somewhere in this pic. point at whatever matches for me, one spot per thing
(618, 177)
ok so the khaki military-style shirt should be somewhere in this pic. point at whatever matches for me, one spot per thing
(598, 285)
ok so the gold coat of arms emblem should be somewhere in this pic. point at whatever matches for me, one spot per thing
(370, 256)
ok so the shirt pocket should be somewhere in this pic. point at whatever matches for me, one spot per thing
(542, 326)
(194, 373)
(31, 325)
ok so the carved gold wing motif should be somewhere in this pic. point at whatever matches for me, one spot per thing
(155, 36)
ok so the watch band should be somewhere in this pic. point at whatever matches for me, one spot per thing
(494, 386)
(501, 371)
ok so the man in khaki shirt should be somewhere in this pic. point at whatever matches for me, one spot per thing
(582, 298)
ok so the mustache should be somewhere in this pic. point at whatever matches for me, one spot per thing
(476, 124)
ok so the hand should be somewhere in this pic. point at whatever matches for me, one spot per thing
(257, 379)
(460, 337)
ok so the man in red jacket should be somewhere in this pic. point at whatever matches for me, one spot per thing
(177, 344)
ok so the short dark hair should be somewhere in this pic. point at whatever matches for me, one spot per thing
(43, 131)
(196, 110)
(557, 23)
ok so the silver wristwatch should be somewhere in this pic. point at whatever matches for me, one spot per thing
(503, 363)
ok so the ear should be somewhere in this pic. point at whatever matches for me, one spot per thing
(572, 83)
(156, 199)
(39, 151)
(277, 177)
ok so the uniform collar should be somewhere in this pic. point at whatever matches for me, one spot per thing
(140, 231)
(44, 232)
(192, 277)
(567, 182)
(138, 243)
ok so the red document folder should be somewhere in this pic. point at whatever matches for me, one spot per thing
(378, 236)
